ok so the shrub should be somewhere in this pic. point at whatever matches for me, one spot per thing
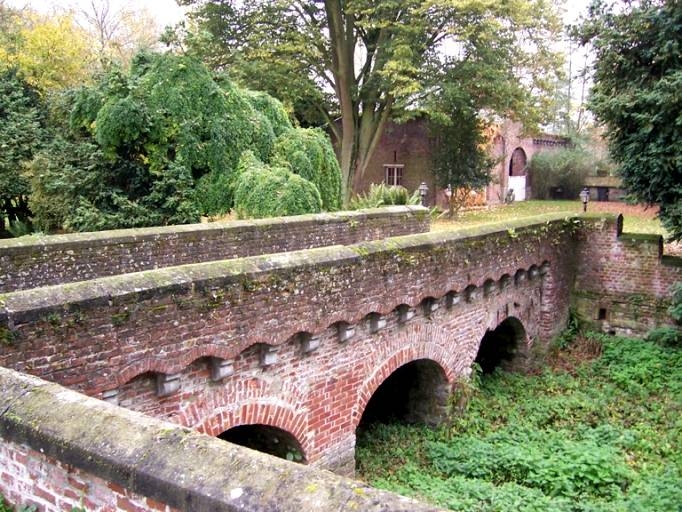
(384, 195)
(264, 191)
(565, 169)
(309, 153)
(272, 109)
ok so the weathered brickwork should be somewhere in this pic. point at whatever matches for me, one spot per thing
(300, 341)
(30, 478)
(623, 284)
(30, 262)
(277, 324)
(60, 449)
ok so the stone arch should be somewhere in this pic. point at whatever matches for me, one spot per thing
(518, 162)
(502, 347)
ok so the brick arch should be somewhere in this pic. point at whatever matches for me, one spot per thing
(517, 162)
(261, 412)
(413, 348)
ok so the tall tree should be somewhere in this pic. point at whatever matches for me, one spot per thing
(363, 61)
(21, 134)
(636, 94)
(49, 52)
(119, 32)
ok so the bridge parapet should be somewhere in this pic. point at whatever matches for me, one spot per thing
(35, 261)
(62, 450)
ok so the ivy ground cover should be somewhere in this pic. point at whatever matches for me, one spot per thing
(597, 429)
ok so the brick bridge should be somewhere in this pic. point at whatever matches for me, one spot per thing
(300, 342)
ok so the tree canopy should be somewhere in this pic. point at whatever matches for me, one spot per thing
(358, 63)
(21, 134)
(161, 144)
(636, 94)
(50, 52)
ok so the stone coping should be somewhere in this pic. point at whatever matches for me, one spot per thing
(122, 236)
(170, 463)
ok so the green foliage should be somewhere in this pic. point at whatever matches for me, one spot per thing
(380, 59)
(265, 191)
(308, 153)
(160, 144)
(564, 168)
(272, 109)
(603, 437)
(21, 135)
(384, 195)
(637, 79)
(669, 335)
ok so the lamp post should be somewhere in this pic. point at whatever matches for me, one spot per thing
(423, 189)
(585, 197)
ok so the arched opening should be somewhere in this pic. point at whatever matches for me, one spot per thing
(414, 393)
(517, 163)
(499, 348)
(266, 439)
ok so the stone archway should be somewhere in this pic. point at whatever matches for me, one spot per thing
(502, 346)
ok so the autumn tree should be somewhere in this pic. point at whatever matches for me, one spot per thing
(363, 62)
(636, 94)
(49, 52)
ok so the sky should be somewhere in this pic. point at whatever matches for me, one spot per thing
(165, 12)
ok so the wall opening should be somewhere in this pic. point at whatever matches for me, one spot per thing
(501, 347)
(517, 163)
(266, 439)
(414, 393)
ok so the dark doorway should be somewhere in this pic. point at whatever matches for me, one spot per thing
(414, 393)
(517, 163)
(500, 348)
(266, 439)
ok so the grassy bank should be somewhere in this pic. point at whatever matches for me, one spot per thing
(637, 218)
(600, 429)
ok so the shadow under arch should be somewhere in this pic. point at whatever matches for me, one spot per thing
(267, 439)
(415, 392)
(502, 347)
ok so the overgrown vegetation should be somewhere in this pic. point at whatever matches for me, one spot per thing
(384, 195)
(160, 144)
(589, 433)
(561, 173)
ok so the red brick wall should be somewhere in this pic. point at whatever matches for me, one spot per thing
(28, 477)
(626, 277)
(407, 144)
(60, 449)
(30, 262)
(109, 334)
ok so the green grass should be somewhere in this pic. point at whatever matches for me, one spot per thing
(584, 435)
(636, 219)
